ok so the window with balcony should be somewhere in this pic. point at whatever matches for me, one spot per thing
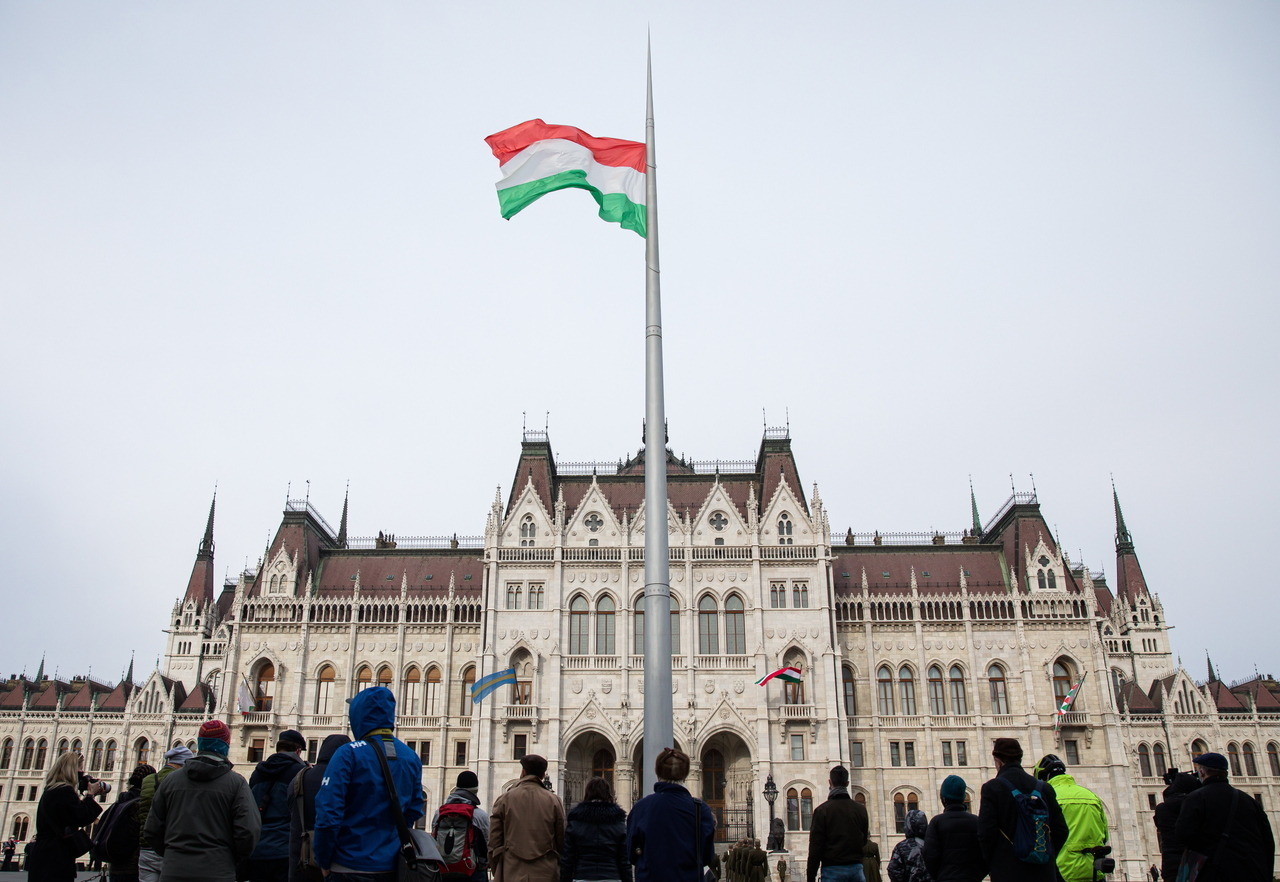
(997, 691)
(907, 690)
(431, 695)
(411, 702)
(937, 692)
(605, 620)
(264, 687)
(884, 691)
(464, 699)
(959, 704)
(735, 626)
(850, 693)
(324, 689)
(708, 629)
(579, 626)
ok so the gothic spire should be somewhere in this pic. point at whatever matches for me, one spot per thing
(129, 676)
(40, 670)
(200, 585)
(342, 524)
(973, 505)
(1213, 675)
(206, 544)
(1130, 583)
(1124, 541)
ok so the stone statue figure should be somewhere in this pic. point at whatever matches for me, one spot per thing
(775, 835)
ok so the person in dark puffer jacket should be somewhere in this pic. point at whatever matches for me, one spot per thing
(270, 786)
(952, 852)
(302, 808)
(595, 840)
(1171, 847)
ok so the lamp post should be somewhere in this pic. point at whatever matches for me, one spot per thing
(770, 795)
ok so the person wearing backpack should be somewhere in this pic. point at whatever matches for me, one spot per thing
(906, 864)
(302, 812)
(115, 836)
(270, 786)
(461, 831)
(1020, 824)
(1085, 816)
(149, 861)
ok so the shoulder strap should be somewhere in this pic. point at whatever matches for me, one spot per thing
(697, 838)
(402, 828)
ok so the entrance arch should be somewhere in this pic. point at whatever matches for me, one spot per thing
(728, 785)
(590, 755)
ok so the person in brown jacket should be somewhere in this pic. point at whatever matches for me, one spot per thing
(838, 834)
(526, 829)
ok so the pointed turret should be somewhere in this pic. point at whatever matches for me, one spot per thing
(973, 506)
(200, 585)
(1213, 675)
(1130, 583)
(40, 670)
(342, 524)
(128, 677)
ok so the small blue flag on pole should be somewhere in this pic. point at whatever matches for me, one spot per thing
(482, 687)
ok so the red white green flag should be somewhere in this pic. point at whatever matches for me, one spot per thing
(790, 675)
(537, 158)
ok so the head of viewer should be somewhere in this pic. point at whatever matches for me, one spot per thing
(291, 741)
(1210, 765)
(598, 789)
(672, 765)
(1007, 750)
(532, 764)
(839, 776)
(1050, 766)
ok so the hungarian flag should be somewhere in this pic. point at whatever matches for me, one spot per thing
(790, 675)
(1070, 698)
(244, 699)
(537, 158)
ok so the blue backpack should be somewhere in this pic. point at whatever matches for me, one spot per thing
(1031, 839)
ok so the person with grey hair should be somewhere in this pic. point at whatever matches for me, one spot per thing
(149, 861)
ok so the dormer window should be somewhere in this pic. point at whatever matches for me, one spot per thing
(784, 529)
(528, 532)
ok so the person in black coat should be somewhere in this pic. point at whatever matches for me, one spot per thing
(952, 852)
(270, 786)
(1227, 826)
(595, 838)
(1181, 784)
(125, 827)
(998, 818)
(302, 808)
(60, 814)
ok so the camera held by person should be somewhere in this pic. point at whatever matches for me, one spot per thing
(104, 787)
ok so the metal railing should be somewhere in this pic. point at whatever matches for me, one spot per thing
(936, 537)
(1018, 498)
(365, 543)
(305, 505)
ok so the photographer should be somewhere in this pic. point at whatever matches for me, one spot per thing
(59, 819)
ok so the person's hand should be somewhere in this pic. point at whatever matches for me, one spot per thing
(97, 788)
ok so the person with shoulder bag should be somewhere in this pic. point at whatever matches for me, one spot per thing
(302, 813)
(60, 818)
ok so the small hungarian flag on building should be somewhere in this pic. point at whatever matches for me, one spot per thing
(790, 675)
(538, 158)
(1070, 698)
(244, 699)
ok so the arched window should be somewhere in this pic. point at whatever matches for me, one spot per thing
(806, 808)
(959, 705)
(937, 692)
(1198, 747)
(907, 690)
(528, 532)
(1233, 754)
(109, 765)
(1062, 681)
(793, 693)
(522, 691)
(997, 691)
(411, 704)
(513, 595)
(384, 677)
(1250, 761)
(324, 689)
(95, 758)
(579, 626)
(6, 753)
(784, 529)
(708, 627)
(264, 687)
(28, 753)
(1040, 580)
(735, 626)
(21, 826)
(77, 747)
(1053, 581)
(364, 678)
(1161, 761)
(1273, 758)
(468, 680)
(850, 694)
(141, 751)
(602, 765)
(431, 704)
(605, 620)
(884, 690)
(903, 803)
(793, 808)
(1144, 761)
(63, 746)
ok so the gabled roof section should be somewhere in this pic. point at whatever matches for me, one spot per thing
(200, 698)
(200, 585)
(1020, 525)
(1135, 700)
(304, 535)
(44, 694)
(83, 693)
(118, 697)
(537, 465)
(1225, 700)
(1130, 583)
(776, 464)
(1265, 692)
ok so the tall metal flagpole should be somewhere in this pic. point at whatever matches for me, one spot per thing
(657, 577)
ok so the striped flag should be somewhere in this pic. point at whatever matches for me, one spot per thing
(537, 158)
(482, 687)
(790, 675)
(1068, 700)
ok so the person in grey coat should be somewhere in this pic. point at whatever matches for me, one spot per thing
(203, 819)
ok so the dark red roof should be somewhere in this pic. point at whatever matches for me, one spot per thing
(381, 571)
(1129, 579)
(118, 697)
(1224, 698)
(937, 568)
(1137, 701)
(197, 701)
(82, 693)
(1103, 597)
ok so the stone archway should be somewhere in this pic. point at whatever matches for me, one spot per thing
(590, 755)
(728, 785)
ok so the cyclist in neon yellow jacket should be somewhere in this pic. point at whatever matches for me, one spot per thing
(1086, 819)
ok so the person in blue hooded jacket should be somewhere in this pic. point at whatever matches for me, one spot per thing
(355, 835)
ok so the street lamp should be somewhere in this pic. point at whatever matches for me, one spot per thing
(770, 795)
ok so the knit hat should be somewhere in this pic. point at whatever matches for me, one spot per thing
(215, 729)
(1215, 761)
(1007, 750)
(953, 789)
(292, 736)
(178, 755)
(467, 779)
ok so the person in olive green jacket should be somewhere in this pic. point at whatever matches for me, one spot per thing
(871, 861)
(1086, 819)
(149, 861)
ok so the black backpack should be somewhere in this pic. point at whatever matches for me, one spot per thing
(115, 838)
(1031, 834)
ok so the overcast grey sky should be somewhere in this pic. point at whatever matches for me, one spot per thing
(259, 244)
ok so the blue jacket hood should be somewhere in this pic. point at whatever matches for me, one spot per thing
(372, 708)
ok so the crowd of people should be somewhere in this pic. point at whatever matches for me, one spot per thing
(348, 818)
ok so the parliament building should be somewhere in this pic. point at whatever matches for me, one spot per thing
(916, 650)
